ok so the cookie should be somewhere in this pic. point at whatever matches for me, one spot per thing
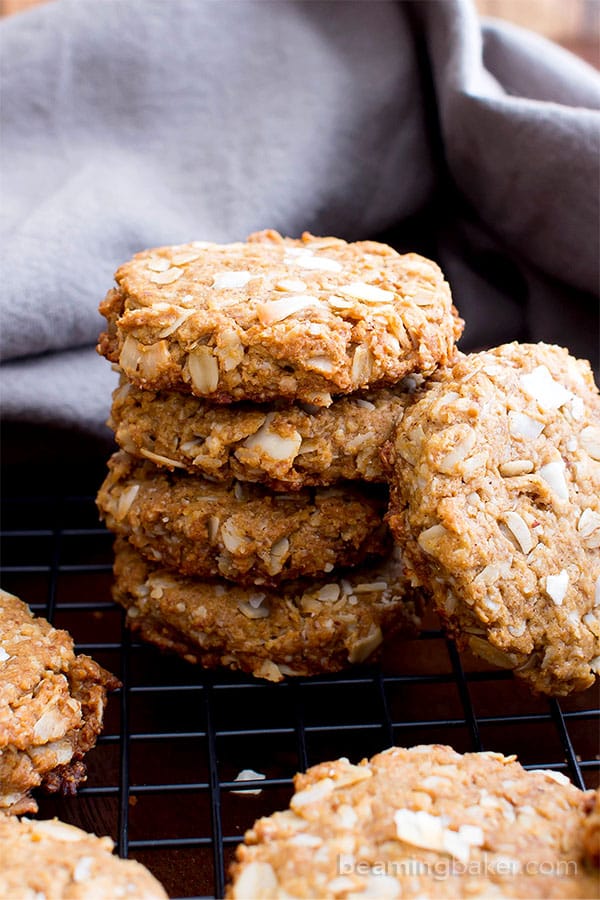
(591, 833)
(286, 447)
(302, 628)
(51, 707)
(496, 500)
(425, 822)
(50, 860)
(240, 531)
(277, 318)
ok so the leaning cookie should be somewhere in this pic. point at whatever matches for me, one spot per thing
(302, 628)
(591, 834)
(277, 318)
(51, 707)
(424, 822)
(496, 498)
(242, 532)
(50, 859)
(284, 446)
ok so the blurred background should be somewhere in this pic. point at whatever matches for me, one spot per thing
(574, 24)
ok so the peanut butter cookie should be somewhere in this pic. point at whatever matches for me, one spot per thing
(50, 860)
(496, 501)
(240, 531)
(277, 318)
(424, 822)
(286, 447)
(51, 707)
(301, 628)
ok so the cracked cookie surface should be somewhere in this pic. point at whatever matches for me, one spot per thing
(284, 446)
(300, 628)
(50, 860)
(495, 497)
(240, 531)
(51, 707)
(276, 318)
(424, 822)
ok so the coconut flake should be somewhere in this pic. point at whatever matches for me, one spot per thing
(252, 612)
(158, 264)
(312, 794)
(556, 586)
(329, 593)
(541, 386)
(277, 310)
(520, 531)
(83, 869)
(293, 252)
(249, 775)
(554, 475)
(558, 777)
(588, 522)
(291, 285)
(369, 293)
(523, 426)
(421, 829)
(272, 444)
(232, 279)
(577, 408)
(316, 263)
(590, 441)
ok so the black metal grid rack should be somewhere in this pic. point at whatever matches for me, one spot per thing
(161, 781)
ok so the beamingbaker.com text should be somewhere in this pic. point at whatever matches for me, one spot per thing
(484, 867)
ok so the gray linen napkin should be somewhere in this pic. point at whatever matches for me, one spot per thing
(133, 123)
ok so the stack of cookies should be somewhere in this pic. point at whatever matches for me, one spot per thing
(259, 382)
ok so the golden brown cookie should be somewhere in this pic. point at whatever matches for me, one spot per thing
(50, 860)
(277, 318)
(284, 446)
(423, 823)
(496, 500)
(51, 707)
(301, 628)
(240, 531)
(591, 834)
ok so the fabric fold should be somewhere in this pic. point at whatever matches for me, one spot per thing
(135, 123)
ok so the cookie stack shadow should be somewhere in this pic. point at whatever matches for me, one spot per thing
(250, 518)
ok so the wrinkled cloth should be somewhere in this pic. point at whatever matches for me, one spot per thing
(134, 123)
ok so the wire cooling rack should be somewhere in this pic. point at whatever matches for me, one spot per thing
(162, 780)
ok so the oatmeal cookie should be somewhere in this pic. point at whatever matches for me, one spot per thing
(277, 318)
(591, 834)
(286, 447)
(301, 628)
(50, 860)
(240, 531)
(496, 500)
(425, 822)
(51, 707)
